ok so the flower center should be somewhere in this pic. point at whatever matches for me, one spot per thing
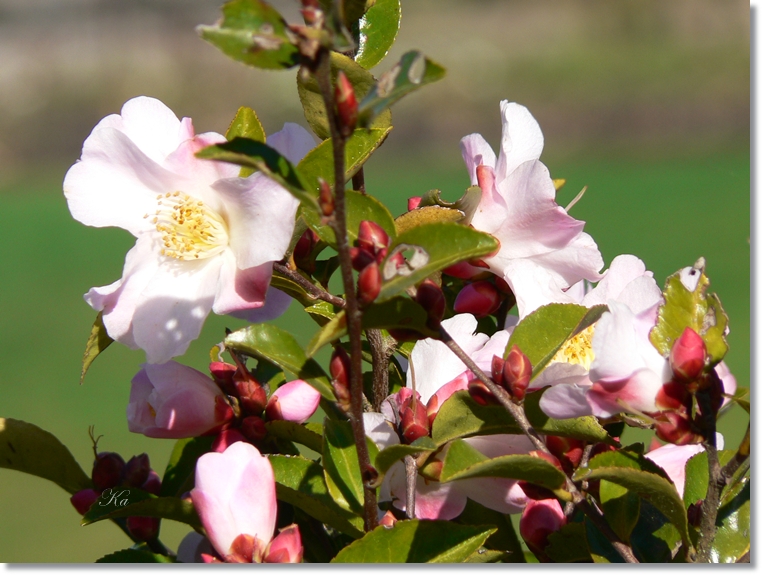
(578, 350)
(189, 229)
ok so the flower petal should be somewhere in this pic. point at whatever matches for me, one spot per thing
(635, 393)
(276, 304)
(240, 289)
(672, 459)
(565, 401)
(522, 138)
(298, 400)
(292, 141)
(476, 152)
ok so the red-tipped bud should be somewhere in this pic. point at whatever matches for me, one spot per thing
(273, 410)
(136, 471)
(478, 298)
(480, 393)
(143, 528)
(432, 408)
(152, 484)
(413, 203)
(341, 369)
(538, 520)
(325, 199)
(430, 297)
(83, 500)
(361, 258)
(286, 547)
(252, 396)
(368, 284)
(461, 270)
(246, 548)
(567, 450)
(346, 104)
(107, 470)
(372, 237)
(369, 475)
(222, 373)
(517, 371)
(688, 356)
(498, 364)
(388, 520)
(673, 395)
(676, 428)
(303, 251)
(552, 459)
(253, 428)
(414, 421)
(225, 439)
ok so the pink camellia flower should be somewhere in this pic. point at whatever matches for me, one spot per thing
(293, 401)
(171, 400)
(673, 458)
(518, 206)
(234, 496)
(206, 238)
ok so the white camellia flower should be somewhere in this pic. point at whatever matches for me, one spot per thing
(206, 238)
(518, 207)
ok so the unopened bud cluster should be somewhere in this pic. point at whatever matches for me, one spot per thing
(512, 374)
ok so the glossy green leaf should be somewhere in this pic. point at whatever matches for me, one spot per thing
(413, 71)
(416, 541)
(463, 462)
(359, 207)
(253, 32)
(654, 537)
(427, 215)
(260, 156)
(392, 454)
(378, 30)
(318, 163)
(131, 502)
(697, 476)
(246, 124)
(586, 427)
(312, 102)
(435, 246)
(503, 539)
(733, 536)
(300, 482)
(293, 289)
(267, 341)
(296, 432)
(27, 448)
(544, 331)
(98, 340)
(398, 312)
(696, 309)
(461, 416)
(180, 472)
(630, 457)
(601, 549)
(322, 312)
(135, 556)
(569, 544)
(341, 466)
(621, 508)
(484, 555)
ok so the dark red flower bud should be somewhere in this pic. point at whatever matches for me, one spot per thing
(695, 512)
(674, 427)
(361, 258)
(413, 203)
(567, 450)
(152, 484)
(430, 297)
(222, 373)
(143, 528)
(368, 284)
(252, 396)
(346, 104)
(502, 285)
(673, 395)
(432, 408)
(253, 428)
(478, 298)
(225, 439)
(303, 251)
(688, 356)
(480, 393)
(414, 421)
(83, 500)
(371, 236)
(107, 470)
(136, 471)
(517, 371)
(497, 369)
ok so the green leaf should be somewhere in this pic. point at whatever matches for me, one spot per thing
(463, 462)
(697, 476)
(246, 124)
(392, 454)
(544, 331)
(416, 541)
(435, 246)
(410, 73)
(27, 448)
(621, 508)
(179, 475)
(254, 33)
(398, 312)
(695, 309)
(742, 398)
(359, 207)
(569, 544)
(96, 343)
(130, 502)
(461, 416)
(318, 163)
(427, 215)
(467, 204)
(267, 341)
(293, 289)
(654, 537)
(341, 466)
(322, 312)
(733, 536)
(586, 427)
(295, 432)
(378, 30)
(651, 487)
(260, 156)
(300, 482)
(601, 549)
(135, 556)
(503, 539)
(483, 555)
(312, 102)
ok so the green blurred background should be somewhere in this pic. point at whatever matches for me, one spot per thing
(645, 102)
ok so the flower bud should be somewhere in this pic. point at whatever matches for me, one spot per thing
(107, 470)
(360, 258)
(303, 251)
(136, 471)
(368, 284)
(430, 297)
(688, 356)
(432, 408)
(673, 395)
(695, 512)
(251, 396)
(414, 421)
(245, 548)
(413, 203)
(82, 500)
(537, 492)
(372, 237)
(480, 393)
(222, 374)
(498, 364)
(567, 450)
(432, 470)
(478, 298)
(293, 401)
(143, 528)
(152, 484)
(517, 371)
(286, 547)
(253, 428)
(538, 520)
(225, 439)
(326, 199)
(346, 104)
(340, 368)
(676, 428)
(388, 520)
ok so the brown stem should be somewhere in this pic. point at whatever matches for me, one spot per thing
(411, 473)
(338, 222)
(380, 354)
(711, 506)
(740, 456)
(309, 287)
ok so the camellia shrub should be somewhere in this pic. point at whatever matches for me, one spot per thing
(484, 364)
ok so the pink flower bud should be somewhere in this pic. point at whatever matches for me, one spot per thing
(414, 421)
(462, 270)
(253, 428)
(688, 356)
(430, 297)
(413, 203)
(143, 528)
(251, 396)
(152, 484)
(480, 393)
(372, 237)
(293, 401)
(368, 284)
(174, 401)
(107, 470)
(459, 383)
(286, 547)
(340, 368)
(83, 500)
(478, 298)
(538, 520)
(136, 471)
(225, 439)
(346, 104)
(517, 371)
(676, 428)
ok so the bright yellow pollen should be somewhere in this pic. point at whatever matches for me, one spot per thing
(189, 229)
(578, 350)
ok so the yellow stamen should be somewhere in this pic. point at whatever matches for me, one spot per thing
(189, 229)
(578, 350)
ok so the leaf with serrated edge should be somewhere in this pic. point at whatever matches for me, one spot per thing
(98, 341)
(378, 29)
(416, 541)
(27, 448)
(181, 467)
(246, 124)
(295, 432)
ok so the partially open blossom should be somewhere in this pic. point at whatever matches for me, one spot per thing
(688, 356)
(293, 401)
(539, 519)
(206, 238)
(171, 400)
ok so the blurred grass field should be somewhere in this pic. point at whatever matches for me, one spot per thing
(667, 212)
